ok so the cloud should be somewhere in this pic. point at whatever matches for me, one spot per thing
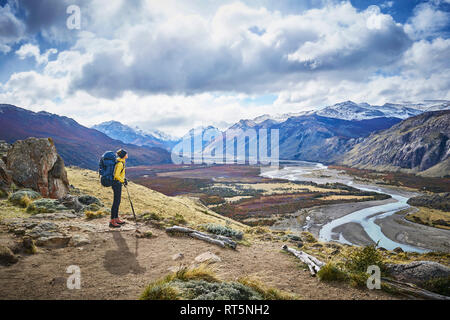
(189, 54)
(427, 20)
(12, 30)
(30, 50)
(175, 65)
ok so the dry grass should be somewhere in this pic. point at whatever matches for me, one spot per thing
(281, 188)
(8, 211)
(147, 200)
(431, 217)
(345, 197)
(95, 214)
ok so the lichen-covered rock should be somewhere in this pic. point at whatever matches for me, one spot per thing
(418, 272)
(43, 229)
(45, 205)
(34, 163)
(53, 241)
(22, 197)
(88, 200)
(79, 240)
(71, 202)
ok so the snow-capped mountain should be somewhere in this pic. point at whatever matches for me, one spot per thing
(350, 110)
(127, 134)
(157, 134)
(277, 118)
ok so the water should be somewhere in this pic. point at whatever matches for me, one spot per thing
(365, 217)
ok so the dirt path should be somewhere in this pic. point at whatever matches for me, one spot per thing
(117, 265)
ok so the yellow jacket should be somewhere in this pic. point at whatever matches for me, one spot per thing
(119, 170)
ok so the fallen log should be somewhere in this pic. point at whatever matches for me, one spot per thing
(412, 291)
(312, 262)
(207, 239)
(219, 240)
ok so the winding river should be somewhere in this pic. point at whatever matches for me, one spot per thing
(302, 171)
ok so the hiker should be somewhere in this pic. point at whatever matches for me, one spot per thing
(119, 179)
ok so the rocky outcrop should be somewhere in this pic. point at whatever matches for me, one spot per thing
(4, 148)
(418, 272)
(416, 144)
(34, 163)
(5, 176)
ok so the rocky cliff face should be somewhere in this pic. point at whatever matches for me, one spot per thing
(34, 163)
(417, 144)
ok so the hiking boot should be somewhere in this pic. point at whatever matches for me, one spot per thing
(113, 224)
(118, 221)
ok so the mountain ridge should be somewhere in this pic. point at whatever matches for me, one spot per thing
(77, 145)
(420, 144)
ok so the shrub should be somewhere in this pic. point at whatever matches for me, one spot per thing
(3, 194)
(266, 292)
(439, 285)
(177, 219)
(358, 279)
(259, 230)
(160, 291)
(223, 231)
(331, 272)
(23, 197)
(94, 214)
(308, 237)
(204, 290)
(361, 258)
(152, 216)
(199, 273)
(208, 200)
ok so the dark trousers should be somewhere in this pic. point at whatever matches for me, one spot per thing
(117, 189)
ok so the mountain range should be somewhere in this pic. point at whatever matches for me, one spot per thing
(77, 145)
(310, 137)
(417, 144)
(408, 136)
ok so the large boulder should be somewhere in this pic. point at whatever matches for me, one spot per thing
(34, 163)
(4, 148)
(418, 272)
(5, 178)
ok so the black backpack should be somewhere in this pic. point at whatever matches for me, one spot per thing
(106, 168)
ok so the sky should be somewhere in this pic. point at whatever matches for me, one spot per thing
(177, 64)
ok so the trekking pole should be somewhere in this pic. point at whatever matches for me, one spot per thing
(132, 208)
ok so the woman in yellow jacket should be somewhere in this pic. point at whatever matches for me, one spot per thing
(119, 179)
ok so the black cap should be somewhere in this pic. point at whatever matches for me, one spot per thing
(121, 153)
